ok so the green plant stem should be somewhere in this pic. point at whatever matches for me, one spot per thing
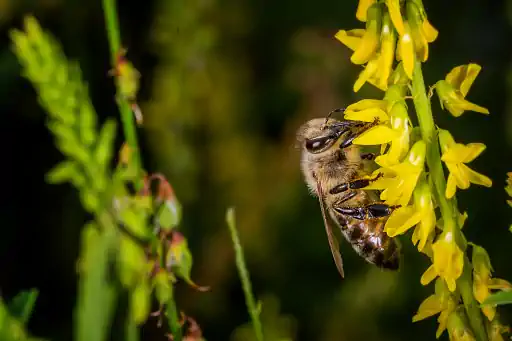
(447, 206)
(112, 25)
(173, 318)
(244, 276)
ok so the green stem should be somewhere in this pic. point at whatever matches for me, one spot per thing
(244, 276)
(173, 318)
(112, 25)
(448, 207)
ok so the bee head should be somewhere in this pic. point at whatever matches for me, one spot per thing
(318, 135)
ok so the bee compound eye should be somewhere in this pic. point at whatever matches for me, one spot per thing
(318, 144)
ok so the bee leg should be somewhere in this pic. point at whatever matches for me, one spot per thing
(356, 184)
(368, 156)
(379, 210)
(354, 212)
(351, 136)
(367, 212)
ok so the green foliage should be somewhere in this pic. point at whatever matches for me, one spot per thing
(96, 296)
(499, 298)
(71, 116)
(146, 251)
(21, 305)
(15, 315)
(244, 276)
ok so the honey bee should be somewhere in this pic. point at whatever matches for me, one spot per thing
(335, 170)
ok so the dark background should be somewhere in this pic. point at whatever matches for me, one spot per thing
(225, 85)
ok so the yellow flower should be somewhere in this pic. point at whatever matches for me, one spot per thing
(370, 110)
(405, 50)
(378, 69)
(400, 123)
(396, 15)
(454, 88)
(448, 259)
(458, 329)
(441, 302)
(387, 52)
(415, 24)
(362, 8)
(420, 214)
(398, 181)
(370, 40)
(399, 77)
(482, 281)
(367, 110)
(352, 39)
(455, 156)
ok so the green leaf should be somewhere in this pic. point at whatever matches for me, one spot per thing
(499, 298)
(64, 171)
(169, 214)
(22, 305)
(87, 121)
(140, 302)
(163, 288)
(131, 261)
(135, 221)
(90, 199)
(173, 320)
(104, 147)
(96, 296)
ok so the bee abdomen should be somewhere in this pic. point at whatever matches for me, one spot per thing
(373, 244)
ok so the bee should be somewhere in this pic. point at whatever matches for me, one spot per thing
(336, 170)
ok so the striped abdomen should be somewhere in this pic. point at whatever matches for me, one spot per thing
(369, 240)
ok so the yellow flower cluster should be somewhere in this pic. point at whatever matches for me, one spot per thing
(388, 31)
(399, 29)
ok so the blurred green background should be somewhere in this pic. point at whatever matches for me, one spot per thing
(225, 84)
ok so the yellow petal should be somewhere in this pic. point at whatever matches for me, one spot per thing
(376, 135)
(428, 275)
(429, 307)
(365, 75)
(467, 105)
(370, 41)
(458, 153)
(362, 8)
(463, 76)
(414, 20)
(366, 104)
(387, 52)
(351, 38)
(448, 258)
(429, 31)
(489, 312)
(474, 149)
(480, 289)
(460, 175)
(406, 47)
(443, 321)
(475, 177)
(499, 284)
(367, 115)
(401, 220)
(451, 187)
(396, 15)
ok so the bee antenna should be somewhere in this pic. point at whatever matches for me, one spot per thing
(332, 112)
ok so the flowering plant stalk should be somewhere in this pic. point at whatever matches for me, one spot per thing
(411, 162)
(132, 231)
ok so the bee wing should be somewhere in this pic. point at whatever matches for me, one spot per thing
(333, 242)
